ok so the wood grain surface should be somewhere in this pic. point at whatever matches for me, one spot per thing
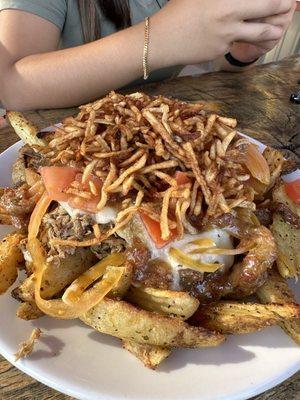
(259, 99)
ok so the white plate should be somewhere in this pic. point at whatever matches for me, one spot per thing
(82, 363)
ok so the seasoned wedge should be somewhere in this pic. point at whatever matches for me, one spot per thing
(29, 311)
(276, 290)
(164, 302)
(123, 320)
(11, 258)
(287, 236)
(57, 277)
(151, 356)
(25, 129)
(233, 317)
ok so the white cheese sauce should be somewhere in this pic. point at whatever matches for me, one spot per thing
(137, 229)
(105, 216)
(220, 237)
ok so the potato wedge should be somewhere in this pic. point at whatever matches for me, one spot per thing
(18, 171)
(29, 311)
(287, 238)
(5, 219)
(230, 317)
(57, 277)
(11, 258)
(125, 321)
(276, 290)
(25, 129)
(151, 356)
(164, 302)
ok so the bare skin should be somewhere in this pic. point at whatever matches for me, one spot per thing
(34, 74)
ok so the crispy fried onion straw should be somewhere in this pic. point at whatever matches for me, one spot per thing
(136, 144)
(26, 347)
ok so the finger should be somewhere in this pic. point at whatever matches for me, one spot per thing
(259, 32)
(263, 8)
(252, 51)
(280, 19)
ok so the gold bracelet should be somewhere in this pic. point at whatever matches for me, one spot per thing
(146, 48)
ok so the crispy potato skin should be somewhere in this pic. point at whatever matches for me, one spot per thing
(29, 311)
(233, 317)
(5, 219)
(57, 277)
(151, 356)
(11, 258)
(287, 237)
(25, 129)
(18, 171)
(123, 320)
(277, 290)
(164, 302)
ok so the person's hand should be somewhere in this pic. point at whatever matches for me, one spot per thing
(192, 31)
(247, 52)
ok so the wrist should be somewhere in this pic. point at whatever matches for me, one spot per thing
(158, 56)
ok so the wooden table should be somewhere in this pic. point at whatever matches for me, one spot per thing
(259, 98)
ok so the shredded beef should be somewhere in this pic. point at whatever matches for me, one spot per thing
(59, 224)
(108, 246)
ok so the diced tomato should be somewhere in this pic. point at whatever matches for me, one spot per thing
(292, 189)
(153, 228)
(88, 205)
(181, 178)
(57, 180)
(86, 185)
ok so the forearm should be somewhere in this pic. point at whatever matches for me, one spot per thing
(73, 76)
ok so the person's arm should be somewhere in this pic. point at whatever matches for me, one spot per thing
(33, 75)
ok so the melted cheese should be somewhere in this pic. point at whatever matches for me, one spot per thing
(137, 229)
(222, 240)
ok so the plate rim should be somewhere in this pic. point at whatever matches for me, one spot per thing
(86, 395)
